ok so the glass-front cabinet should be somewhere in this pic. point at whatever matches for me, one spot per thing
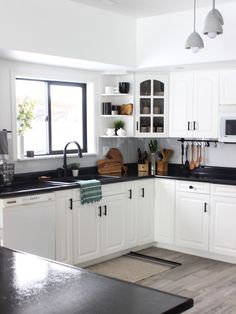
(152, 106)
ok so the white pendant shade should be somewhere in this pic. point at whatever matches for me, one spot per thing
(194, 41)
(217, 14)
(212, 25)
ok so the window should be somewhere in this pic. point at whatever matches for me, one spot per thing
(51, 114)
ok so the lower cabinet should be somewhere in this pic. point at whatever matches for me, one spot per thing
(86, 232)
(164, 210)
(64, 250)
(192, 220)
(98, 230)
(223, 225)
(145, 206)
(139, 212)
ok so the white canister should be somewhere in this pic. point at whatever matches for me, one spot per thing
(121, 132)
(109, 90)
(110, 131)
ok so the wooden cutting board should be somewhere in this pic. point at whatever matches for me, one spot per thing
(115, 154)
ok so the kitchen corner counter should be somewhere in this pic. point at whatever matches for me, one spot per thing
(29, 284)
(215, 175)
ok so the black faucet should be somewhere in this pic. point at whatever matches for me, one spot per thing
(79, 154)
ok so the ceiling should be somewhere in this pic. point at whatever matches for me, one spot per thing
(144, 8)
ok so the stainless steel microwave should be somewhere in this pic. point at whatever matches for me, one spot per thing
(228, 128)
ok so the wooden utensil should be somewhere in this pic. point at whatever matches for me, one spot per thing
(197, 157)
(200, 155)
(192, 164)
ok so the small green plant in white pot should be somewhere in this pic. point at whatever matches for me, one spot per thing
(119, 124)
(74, 168)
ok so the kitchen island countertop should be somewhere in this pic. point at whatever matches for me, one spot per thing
(29, 284)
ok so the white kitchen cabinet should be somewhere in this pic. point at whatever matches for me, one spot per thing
(181, 104)
(99, 229)
(164, 210)
(152, 105)
(145, 199)
(64, 236)
(228, 87)
(131, 214)
(222, 225)
(192, 220)
(86, 232)
(113, 224)
(194, 104)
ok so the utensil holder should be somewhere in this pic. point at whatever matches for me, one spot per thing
(143, 167)
(162, 166)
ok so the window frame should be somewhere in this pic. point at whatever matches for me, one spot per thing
(48, 83)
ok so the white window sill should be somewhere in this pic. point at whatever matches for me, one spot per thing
(54, 156)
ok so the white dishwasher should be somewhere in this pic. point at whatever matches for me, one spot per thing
(28, 224)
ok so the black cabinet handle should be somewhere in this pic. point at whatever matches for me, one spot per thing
(188, 125)
(137, 126)
(100, 211)
(71, 204)
(143, 192)
(194, 125)
(105, 210)
(205, 207)
(190, 187)
(130, 194)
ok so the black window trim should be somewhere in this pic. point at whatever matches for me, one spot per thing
(84, 112)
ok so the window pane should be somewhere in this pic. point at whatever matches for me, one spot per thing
(66, 115)
(35, 138)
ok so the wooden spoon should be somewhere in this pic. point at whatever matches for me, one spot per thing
(200, 155)
(192, 164)
(197, 157)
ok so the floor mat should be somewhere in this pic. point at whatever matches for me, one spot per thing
(128, 268)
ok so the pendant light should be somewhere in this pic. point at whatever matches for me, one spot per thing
(194, 40)
(213, 23)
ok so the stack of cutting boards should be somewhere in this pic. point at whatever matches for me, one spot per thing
(113, 164)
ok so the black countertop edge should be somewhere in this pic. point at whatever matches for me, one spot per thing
(72, 290)
(28, 183)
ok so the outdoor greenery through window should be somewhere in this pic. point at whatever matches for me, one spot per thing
(50, 114)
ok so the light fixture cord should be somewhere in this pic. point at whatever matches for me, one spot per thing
(194, 16)
(214, 6)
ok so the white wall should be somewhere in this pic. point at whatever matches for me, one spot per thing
(68, 29)
(161, 39)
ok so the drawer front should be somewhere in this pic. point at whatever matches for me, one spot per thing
(192, 187)
(225, 190)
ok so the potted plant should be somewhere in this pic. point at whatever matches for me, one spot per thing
(118, 124)
(74, 168)
(25, 118)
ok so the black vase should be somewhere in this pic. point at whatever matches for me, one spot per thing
(124, 87)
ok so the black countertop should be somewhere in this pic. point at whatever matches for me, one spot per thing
(29, 184)
(32, 285)
(216, 175)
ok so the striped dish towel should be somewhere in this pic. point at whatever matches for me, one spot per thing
(90, 191)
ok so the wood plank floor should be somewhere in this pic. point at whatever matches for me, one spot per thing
(212, 284)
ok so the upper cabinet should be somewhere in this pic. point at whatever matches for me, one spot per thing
(228, 87)
(116, 103)
(194, 104)
(151, 106)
